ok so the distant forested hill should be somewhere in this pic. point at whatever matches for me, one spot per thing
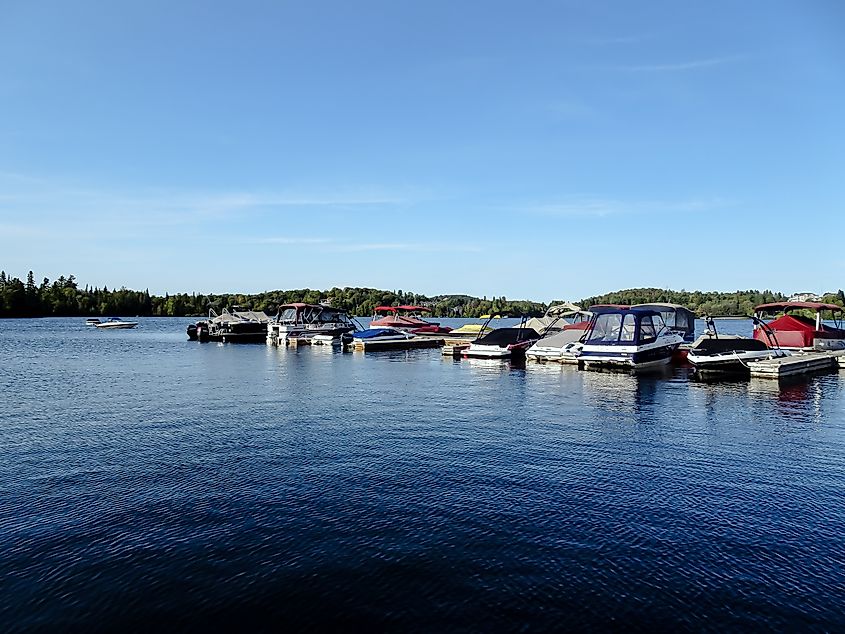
(714, 303)
(64, 297)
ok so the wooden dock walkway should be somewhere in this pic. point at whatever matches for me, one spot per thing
(452, 347)
(799, 363)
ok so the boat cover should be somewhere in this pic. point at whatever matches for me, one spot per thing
(797, 331)
(560, 339)
(706, 346)
(507, 336)
(373, 333)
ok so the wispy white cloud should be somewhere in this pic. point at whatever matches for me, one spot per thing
(670, 67)
(413, 247)
(291, 240)
(602, 207)
(40, 199)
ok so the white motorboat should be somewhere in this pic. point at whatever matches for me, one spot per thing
(502, 343)
(628, 338)
(713, 352)
(382, 334)
(562, 338)
(92, 321)
(116, 323)
(328, 340)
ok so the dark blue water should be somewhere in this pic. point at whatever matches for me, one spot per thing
(147, 481)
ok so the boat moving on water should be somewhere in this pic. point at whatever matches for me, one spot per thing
(235, 326)
(115, 323)
(795, 331)
(92, 321)
(628, 338)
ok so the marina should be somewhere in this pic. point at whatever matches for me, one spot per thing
(448, 469)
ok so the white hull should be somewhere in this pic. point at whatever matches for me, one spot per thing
(325, 340)
(117, 326)
(480, 351)
(621, 362)
(734, 359)
(637, 357)
(565, 354)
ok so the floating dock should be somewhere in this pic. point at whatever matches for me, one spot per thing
(796, 364)
(373, 345)
(452, 347)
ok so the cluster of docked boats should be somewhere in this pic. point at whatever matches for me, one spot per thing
(640, 337)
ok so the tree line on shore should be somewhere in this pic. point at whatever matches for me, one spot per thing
(64, 298)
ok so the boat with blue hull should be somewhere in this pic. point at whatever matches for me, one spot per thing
(628, 338)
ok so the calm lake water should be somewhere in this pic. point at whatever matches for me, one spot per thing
(148, 481)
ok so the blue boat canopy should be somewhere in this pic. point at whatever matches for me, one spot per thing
(625, 327)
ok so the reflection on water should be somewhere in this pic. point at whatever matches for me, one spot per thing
(147, 480)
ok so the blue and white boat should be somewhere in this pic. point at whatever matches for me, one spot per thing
(629, 338)
(382, 334)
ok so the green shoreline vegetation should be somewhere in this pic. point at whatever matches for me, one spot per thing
(64, 298)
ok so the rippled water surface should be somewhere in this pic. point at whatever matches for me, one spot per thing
(149, 481)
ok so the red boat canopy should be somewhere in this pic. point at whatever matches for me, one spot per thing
(391, 309)
(784, 306)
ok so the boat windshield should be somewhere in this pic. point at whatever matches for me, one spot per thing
(329, 316)
(288, 314)
(606, 327)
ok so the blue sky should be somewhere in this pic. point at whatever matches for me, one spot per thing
(534, 150)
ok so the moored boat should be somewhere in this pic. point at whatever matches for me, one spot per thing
(628, 338)
(382, 334)
(794, 330)
(235, 326)
(469, 331)
(678, 319)
(502, 343)
(307, 321)
(713, 352)
(406, 318)
(562, 339)
(555, 318)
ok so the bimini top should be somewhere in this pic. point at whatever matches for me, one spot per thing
(301, 313)
(596, 307)
(415, 308)
(784, 306)
(395, 309)
(661, 305)
(508, 336)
